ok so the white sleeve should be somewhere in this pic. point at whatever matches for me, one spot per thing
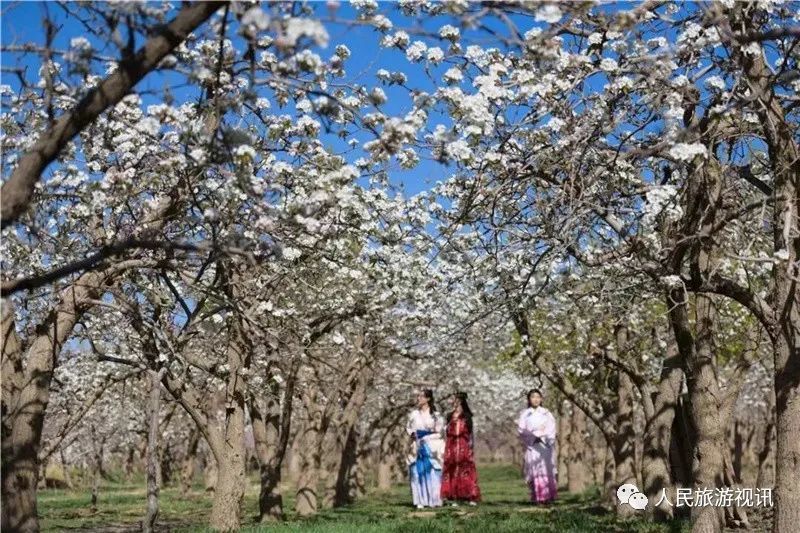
(438, 425)
(521, 428)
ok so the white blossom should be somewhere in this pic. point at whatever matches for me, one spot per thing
(609, 65)
(416, 51)
(449, 32)
(687, 151)
(304, 27)
(548, 13)
(453, 75)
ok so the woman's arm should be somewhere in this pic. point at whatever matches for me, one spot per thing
(410, 425)
(438, 426)
(546, 430)
(527, 436)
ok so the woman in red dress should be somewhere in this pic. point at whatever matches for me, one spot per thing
(459, 476)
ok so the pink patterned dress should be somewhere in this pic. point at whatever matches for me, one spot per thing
(537, 430)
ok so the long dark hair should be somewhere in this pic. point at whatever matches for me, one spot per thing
(532, 391)
(466, 412)
(429, 395)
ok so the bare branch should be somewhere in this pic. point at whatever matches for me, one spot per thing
(106, 252)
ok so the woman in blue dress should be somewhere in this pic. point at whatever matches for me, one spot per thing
(425, 428)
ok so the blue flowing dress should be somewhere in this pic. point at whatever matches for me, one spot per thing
(425, 463)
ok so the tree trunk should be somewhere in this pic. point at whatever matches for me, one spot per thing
(210, 470)
(787, 449)
(153, 462)
(266, 434)
(735, 516)
(708, 461)
(130, 461)
(42, 477)
(577, 459)
(597, 450)
(226, 510)
(358, 477)
(738, 451)
(705, 398)
(270, 500)
(345, 488)
(386, 461)
(656, 475)
(766, 448)
(342, 455)
(95, 488)
(384, 474)
(609, 485)
(271, 430)
(563, 442)
(294, 455)
(681, 450)
(307, 496)
(167, 461)
(784, 157)
(333, 447)
(231, 461)
(98, 446)
(228, 445)
(189, 462)
(65, 466)
(26, 393)
(625, 436)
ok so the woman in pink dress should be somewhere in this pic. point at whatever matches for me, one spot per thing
(537, 430)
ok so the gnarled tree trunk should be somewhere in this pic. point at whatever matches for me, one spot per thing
(271, 430)
(66, 468)
(153, 463)
(563, 441)
(228, 445)
(625, 471)
(609, 484)
(342, 455)
(209, 470)
(310, 454)
(387, 460)
(784, 322)
(98, 449)
(705, 398)
(266, 433)
(577, 458)
(189, 462)
(766, 447)
(787, 408)
(656, 471)
(26, 393)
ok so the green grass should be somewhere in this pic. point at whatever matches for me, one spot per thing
(504, 510)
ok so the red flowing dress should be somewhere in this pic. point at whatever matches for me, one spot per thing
(459, 476)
